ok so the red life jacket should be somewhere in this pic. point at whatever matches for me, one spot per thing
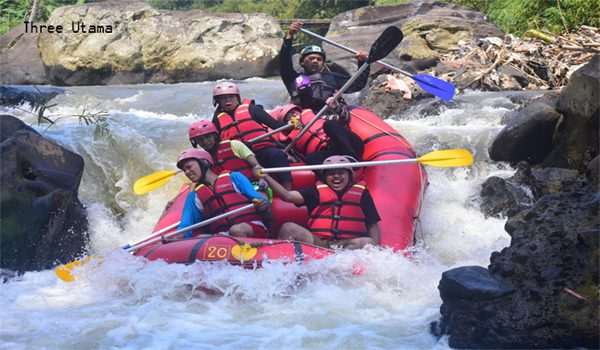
(221, 198)
(314, 139)
(242, 127)
(338, 218)
(226, 160)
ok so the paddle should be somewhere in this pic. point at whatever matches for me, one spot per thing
(385, 43)
(447, 158)
(429, 83)
(442, 159)
(153, 181)
(64, 272)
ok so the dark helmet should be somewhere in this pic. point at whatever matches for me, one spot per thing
(310, 49)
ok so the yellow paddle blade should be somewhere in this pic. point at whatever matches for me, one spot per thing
(153, 181)
(65, 272)
(447, 158)
(244, 252)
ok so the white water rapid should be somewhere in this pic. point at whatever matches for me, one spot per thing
(124, 302)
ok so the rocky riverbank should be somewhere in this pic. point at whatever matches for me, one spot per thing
(543, 290)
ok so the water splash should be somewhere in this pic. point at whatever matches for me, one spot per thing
(121, 301)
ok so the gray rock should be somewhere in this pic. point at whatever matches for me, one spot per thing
(21, 61)
(472, 283)
(593, 170)
(43, 222)
(503, 198)
(527, 136)
(579, 102)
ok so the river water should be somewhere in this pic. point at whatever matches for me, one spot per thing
(123, 302)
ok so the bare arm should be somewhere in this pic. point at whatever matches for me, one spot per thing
(283, 193)
(374, 233)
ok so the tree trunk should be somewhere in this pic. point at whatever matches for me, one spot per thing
(34, 8)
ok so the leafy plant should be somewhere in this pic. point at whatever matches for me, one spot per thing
(517, 16)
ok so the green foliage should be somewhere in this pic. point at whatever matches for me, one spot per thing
(14, 12)
(389, 2)
(517, 16)
(283, 9)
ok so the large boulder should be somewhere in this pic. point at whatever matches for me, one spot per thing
(43, 223)
(580, 104)
(540, 292)
(430, 27)
(528, 136)
(146, 45)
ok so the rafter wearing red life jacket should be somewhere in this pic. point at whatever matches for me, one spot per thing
(338, 218)
(242, 127)
(313, 140)
(221, 198)
(226, 160)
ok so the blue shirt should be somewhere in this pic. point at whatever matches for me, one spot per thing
(192, 209)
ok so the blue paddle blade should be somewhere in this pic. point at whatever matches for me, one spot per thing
(435, 86)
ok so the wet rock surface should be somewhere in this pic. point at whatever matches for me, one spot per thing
(43, 223)
(551, 267)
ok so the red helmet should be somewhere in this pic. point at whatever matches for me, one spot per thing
(201, 127)
(225, 88)
(340, 160)
(279, 112)
(194, 153)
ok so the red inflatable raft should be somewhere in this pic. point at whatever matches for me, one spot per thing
(397, 191)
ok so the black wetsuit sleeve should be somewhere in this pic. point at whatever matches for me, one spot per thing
(368, 207)
(311, 197)
(286, 66)
(259, 114)
(356, 86)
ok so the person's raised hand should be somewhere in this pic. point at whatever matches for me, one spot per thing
(295, 122)
(331, 103)
(294, 28)
(361, 56)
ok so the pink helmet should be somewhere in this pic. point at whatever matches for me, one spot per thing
(340, 160)
(201, 127)
(194, 153)
(279, 112)
(225, 88)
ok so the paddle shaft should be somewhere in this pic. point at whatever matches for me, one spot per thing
(191, 227)
(164, 229)
(336, 166)
(335, 97)
(272, 132)
(340, 46)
